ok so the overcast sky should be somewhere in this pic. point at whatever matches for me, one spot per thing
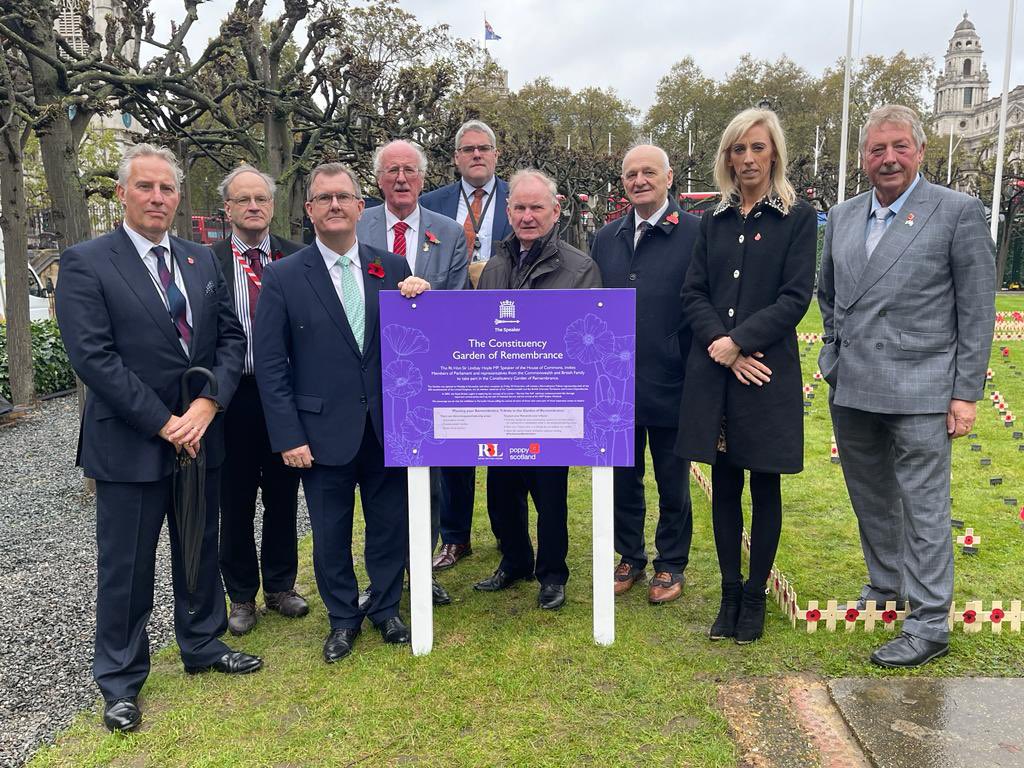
(629, 45)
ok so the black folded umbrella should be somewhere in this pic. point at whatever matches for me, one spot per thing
(190, 490)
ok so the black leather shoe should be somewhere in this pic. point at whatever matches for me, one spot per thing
(551, 596)
(231, 663)
(750, 623)
(908, 651)
(339, 644)
(288, 603)
(728, 612)
(498, 581)
(394, 631)
(364, 598)
(122, 714)
(441, 596)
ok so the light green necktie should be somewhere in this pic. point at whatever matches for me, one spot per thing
(352, 299)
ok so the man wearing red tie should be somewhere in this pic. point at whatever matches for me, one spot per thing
(249, 465)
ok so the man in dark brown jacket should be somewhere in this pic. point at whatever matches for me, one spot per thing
(533, 257)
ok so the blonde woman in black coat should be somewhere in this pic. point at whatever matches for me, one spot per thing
(748, 285)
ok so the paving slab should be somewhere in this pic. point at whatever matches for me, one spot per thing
(928, 723)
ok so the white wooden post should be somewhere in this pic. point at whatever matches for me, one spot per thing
(421, 604)
(604, 557)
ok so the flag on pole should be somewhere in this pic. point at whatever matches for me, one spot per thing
(489, 33)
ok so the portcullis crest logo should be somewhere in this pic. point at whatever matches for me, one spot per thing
(489, 451)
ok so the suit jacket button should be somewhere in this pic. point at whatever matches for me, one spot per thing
(363, 366)
(731, 311)
(881, 313)
(846, 342)
(879, 345)
(363, 399)
(735, 273)
(632, 275)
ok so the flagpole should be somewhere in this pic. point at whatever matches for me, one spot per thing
(1001, 144)
(844, 141)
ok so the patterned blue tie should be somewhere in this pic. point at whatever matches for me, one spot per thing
(176, 304)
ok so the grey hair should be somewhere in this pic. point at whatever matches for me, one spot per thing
(421, 162)
(896, 114)
(225, 184)
(533, 173)
(661, 152)
(124, 168)
(332, 169)
(474, 125)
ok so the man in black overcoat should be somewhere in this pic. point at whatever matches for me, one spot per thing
(649, 249)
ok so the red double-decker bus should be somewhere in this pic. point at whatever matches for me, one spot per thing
(209, 229)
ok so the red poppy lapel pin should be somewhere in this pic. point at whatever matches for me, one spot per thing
(375, 268)
(190, 260)
(277, 255)
(910, 219)
(432, 238)
(673, 218)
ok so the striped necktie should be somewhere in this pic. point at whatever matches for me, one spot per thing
(400, 247)
(176, 304)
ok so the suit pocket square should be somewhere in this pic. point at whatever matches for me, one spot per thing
(210, 287)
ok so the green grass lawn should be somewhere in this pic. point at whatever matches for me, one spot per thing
(510, 685)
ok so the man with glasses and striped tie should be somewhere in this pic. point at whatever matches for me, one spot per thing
(317, 355)
(137, 307)
(249, 464)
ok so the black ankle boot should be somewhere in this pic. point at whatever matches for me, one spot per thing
(728, 611)
(750, 624)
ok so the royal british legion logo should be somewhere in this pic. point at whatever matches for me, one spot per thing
(488, 451)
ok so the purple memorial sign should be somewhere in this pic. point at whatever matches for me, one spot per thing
(508, 378)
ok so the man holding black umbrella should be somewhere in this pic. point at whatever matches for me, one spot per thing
(136, 309)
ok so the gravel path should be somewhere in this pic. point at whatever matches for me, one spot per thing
(48, 578)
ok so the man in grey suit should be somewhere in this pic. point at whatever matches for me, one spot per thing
(432, 244)
(907, 294)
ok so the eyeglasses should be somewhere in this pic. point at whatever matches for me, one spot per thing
(325, 199)
(260, 200)
(408, 170)
(472, 149)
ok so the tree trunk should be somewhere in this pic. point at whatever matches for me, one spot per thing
(14, 222)
(183, 216)
(56, 141)
(1004, 242)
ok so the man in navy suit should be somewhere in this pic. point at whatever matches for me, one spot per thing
(317, 353)
(249, 464)
(649, 250)
(136, 309)
(479, 202)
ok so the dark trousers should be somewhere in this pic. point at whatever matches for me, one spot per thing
(727, 520)
(330, 496)
(128, 521)
(458, 491)
(507, 489)
(249, 465)
(675, 513)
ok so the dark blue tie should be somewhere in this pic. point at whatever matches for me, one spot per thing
(175, 298)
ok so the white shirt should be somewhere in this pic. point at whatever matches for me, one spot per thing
(487, 225)
(145, 248)
(652, 220)
(241, 283)
(412, 237)
(331, 260)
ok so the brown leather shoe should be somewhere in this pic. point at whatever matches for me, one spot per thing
(450, 554)
(242, 617)
(626, 575)
(665, 587)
